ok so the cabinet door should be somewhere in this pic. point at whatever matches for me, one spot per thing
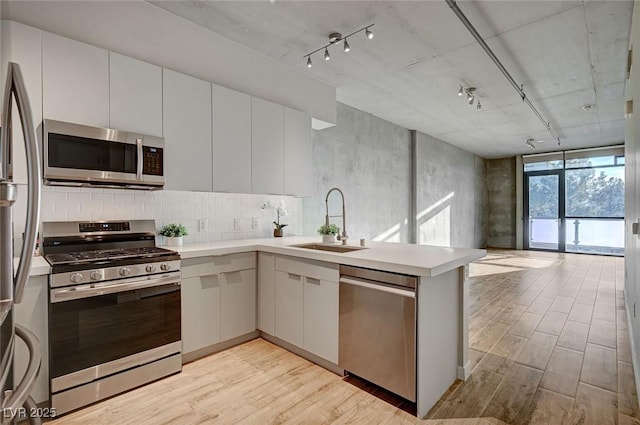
(267, 147)
(231, 140)
(135, 101)
(297, 153)
(289, 305)
(23, 45)
(75, 81)
(238, 303)
(200, 312)
(187, 131)
(32, 313)
(266, 292)
(321, 318)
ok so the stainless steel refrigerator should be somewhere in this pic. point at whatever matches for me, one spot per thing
(15, 400)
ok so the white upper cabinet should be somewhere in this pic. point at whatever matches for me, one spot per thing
(22, 44)
(75, 81)
(297, 153)
(231, 140)
(267, 147)
(135, 101)
(187, 131)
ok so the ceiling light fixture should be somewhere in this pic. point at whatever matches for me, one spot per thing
(471, 95)
(519, 88)
(529, 143)
(368, 33)
(335, 37)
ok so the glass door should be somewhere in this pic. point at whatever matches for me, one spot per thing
(544, 211)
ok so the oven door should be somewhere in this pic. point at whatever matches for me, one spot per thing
(101, 329)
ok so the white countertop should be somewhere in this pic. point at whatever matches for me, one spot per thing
(39, 266)
(417, 260)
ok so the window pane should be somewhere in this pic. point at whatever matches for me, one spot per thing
(544, 165)
(595, 236)
(595, 192)
(596, 161)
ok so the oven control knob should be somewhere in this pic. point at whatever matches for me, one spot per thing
(165, 267)
(125, 271)
(150, 268)
(76, 277)
(96, 275)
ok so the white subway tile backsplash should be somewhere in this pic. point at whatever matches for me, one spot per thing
(219, 209)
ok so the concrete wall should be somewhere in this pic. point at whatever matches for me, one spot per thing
(450, 189)
(370, 160)
(501, 187)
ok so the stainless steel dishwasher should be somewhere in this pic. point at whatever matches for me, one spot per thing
(378, 328)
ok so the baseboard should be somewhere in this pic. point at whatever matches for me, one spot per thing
(464, 372)
(303, 353)
(632, 344)
(216, 348)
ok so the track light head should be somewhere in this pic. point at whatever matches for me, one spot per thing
(478, 106)
(461, 91)
(368, 33)
(327, 56)
(309, 61)
(471, 99)
(347, 48)
(529, 143)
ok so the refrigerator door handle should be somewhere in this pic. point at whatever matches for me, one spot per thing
(21, 393)
(34, 178)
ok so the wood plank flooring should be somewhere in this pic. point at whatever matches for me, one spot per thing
(564, 357)
(549, 345)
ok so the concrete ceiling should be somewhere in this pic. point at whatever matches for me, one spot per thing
(567, 54)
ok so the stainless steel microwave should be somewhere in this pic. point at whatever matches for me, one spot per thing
(79, 155)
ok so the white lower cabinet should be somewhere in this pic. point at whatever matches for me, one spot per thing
(306, 305)
(266, 292)
(238, 303)
(289, 307)
(321, 318)
(200, 312)
(32, 313)
(218, 299)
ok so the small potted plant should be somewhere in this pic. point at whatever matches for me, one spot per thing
(173, 234)
(328, 233)
(281, 211)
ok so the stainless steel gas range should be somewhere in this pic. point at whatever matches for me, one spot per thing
(114, 309)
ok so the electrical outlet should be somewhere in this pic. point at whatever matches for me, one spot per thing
(236, 224)
(203, 224)
(254, 223)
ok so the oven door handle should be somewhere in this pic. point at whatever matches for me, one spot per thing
(86, 291)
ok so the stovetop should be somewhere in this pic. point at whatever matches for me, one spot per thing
(88, 257)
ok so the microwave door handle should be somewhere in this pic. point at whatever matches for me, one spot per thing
(34, 180)
(140, 162)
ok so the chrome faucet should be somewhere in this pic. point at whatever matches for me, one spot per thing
(344, 235)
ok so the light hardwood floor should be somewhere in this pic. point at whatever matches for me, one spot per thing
(548, 339)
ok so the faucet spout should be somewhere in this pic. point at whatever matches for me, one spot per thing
(344, 235)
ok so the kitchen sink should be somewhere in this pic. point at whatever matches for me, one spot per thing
(326, 247)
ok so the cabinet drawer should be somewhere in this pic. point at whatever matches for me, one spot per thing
(206, 266)
(310, 268)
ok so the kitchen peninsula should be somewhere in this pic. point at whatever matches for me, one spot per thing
(442, 293)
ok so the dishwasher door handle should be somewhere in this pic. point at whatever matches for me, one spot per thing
(377, 287)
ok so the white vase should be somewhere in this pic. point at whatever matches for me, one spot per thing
(329, 239)
(175, 241)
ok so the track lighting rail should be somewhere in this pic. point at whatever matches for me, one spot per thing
(452, 4)
(335, 38)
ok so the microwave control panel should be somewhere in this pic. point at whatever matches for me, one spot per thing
(152, 161)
